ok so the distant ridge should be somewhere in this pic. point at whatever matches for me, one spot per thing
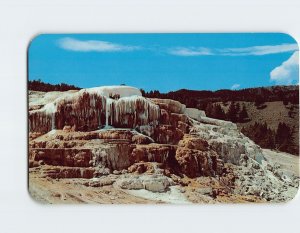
(196, 99)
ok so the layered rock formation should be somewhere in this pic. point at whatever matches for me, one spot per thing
(90, 109)
(92, 133)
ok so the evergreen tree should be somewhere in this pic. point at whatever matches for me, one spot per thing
(283, 137)
(218, 112)
(243, 116)
(38, 85)
(285, 101)
(270, 139)
(232, 113)
(237, 108)
(209, 109)
(259, 100)
(260, 134)
(151, 94)
(143, 92)
(291, 112)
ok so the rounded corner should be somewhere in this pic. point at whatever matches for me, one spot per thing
(32, 39)
(290, 35)
(33, 197)
(293, 197)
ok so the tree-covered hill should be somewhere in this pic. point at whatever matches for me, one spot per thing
(38, 85)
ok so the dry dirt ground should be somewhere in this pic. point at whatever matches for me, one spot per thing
(71, 191)
(74, 191)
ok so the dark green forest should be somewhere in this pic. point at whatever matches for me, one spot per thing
(259, 95)
(38, 85)
(280, 139)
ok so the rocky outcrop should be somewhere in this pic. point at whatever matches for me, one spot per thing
(194, 143)
(263, 181)
(161, 123)
(62, 157)
(167, 134)
(224, 138)
(146, 167)
(115, 156)
(152, 153)
(67, 172)
(196, 158)
(90, 109)
(195, 163)
(115, 137)
(125, 135)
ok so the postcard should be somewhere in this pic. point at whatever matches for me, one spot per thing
(183, 118)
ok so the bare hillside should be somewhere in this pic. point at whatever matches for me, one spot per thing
(273, 113)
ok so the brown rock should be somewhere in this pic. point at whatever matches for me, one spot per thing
(184, 127)
(126, 135)
(116, 134)
(167, 134)
(147, 167)
(195, 163)
(164, 117)
(33, 163)
(67, 172)
(115, 156)
(67, 128)
(34, 135)
(175, 117)
(141, 139)
(191, 162)
(152, 153)
(62, 157)
(194, 143)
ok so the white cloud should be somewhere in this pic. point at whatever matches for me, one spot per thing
(246, 51)
(235, 86)
(260, 50)
(181, 51)
(288, 72)
(92, 45)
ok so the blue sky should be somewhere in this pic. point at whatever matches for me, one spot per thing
(165, 62)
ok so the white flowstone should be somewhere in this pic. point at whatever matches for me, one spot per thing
(212, 121)
(194, 113)
(119, 104)
(153, 183)
(226, 140)
(108, 91)
(173, 105)
(172, 196)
